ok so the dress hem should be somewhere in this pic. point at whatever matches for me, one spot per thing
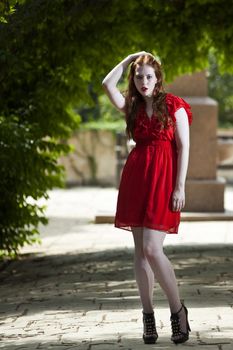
(128, 228)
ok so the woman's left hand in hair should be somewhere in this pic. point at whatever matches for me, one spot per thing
(178, 199)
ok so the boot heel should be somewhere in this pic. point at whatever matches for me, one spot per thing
(186, 311)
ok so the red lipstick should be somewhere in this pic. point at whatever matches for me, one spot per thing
(144, 88)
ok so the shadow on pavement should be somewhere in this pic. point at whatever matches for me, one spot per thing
(66, 297)
(124, 343)
(97, 280)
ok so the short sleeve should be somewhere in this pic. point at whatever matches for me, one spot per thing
(174, 103)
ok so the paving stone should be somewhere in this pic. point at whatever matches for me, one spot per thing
(78, 290)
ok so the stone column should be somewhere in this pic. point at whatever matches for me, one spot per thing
(204, 190)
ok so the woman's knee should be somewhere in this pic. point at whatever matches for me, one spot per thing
(153, 243)
(152, 253)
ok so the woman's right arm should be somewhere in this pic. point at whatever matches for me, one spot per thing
(110, 81)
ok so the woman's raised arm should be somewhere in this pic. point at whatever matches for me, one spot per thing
(110, 81)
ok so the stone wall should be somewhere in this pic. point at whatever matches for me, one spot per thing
(93, 160)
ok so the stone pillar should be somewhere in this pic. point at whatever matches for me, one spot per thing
(204, 190)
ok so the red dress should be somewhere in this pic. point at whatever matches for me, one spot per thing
(149, 174)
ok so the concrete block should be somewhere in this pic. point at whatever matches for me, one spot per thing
(189, 85)
(205, 195)
(203, 138)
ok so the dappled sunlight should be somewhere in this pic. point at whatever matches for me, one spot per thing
(92, 298)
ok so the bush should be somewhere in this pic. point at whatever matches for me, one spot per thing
(28, 169)
(36, 119)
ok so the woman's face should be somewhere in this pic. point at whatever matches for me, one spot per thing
(145, 79)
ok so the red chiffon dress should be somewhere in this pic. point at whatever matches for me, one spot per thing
(148, 177)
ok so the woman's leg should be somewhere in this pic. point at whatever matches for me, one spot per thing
(143, 272)
(163, 270)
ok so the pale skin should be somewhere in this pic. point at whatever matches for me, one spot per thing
(149, 260)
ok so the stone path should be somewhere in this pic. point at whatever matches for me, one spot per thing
(78, 291)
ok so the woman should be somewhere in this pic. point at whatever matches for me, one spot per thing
(152, 187)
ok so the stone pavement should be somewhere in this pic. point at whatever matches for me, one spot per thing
(77, 290)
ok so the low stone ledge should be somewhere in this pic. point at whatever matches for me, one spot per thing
(103, 217)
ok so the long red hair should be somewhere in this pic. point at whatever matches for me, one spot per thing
(133, 98)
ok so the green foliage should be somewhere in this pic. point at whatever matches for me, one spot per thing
(28, 170)
(221, 89)
(36, 94)
(117, 125)
(108, 117)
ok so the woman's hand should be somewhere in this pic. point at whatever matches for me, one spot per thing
(178, 199)
(133, 56)
(110, 81)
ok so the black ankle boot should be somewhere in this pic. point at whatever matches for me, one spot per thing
(150, 334)
(176, 329)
